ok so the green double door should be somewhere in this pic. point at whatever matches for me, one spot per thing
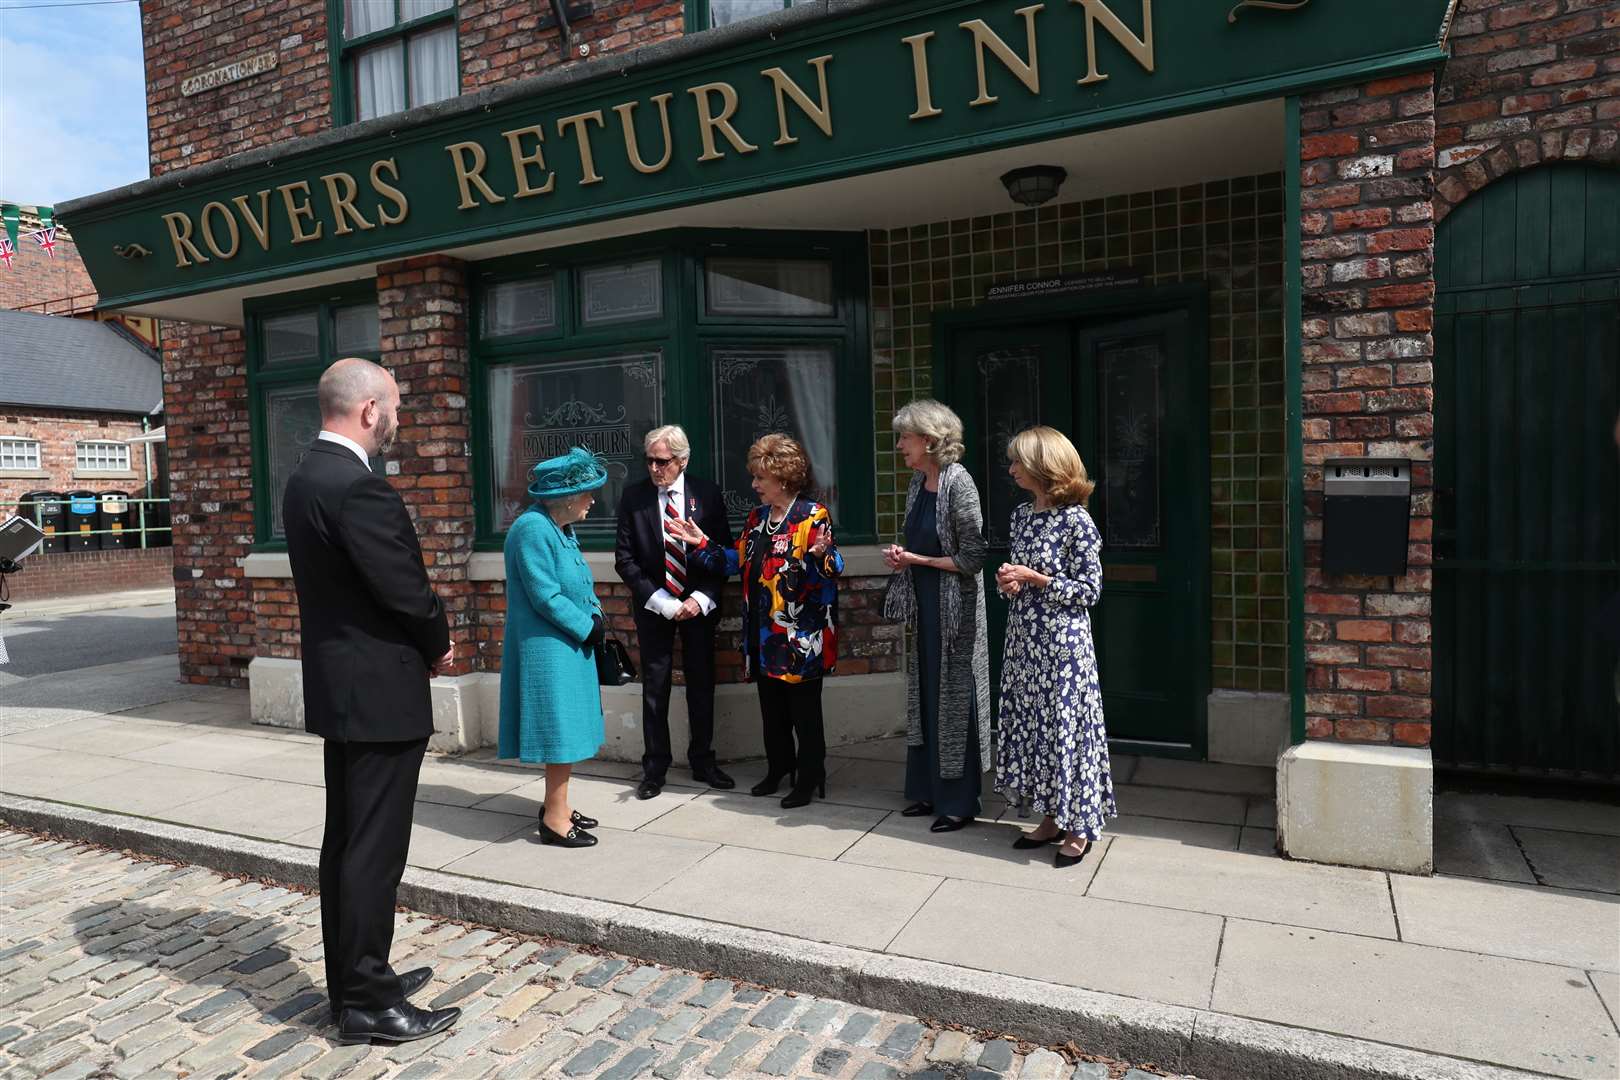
(1130, 392)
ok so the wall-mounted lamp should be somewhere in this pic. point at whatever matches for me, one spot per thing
(1034, 184)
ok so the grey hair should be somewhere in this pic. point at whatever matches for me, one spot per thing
(347, 383)
(672, 436)
(938, 425)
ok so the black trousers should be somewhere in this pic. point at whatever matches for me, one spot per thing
(657, 638)
(789, 710)
(370, 795)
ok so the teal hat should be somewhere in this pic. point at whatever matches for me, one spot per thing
(567, 474)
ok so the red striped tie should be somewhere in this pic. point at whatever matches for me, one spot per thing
(674, 552)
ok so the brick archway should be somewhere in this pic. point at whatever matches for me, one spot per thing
(1466, 170)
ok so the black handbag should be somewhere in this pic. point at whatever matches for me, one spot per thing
(613, 666)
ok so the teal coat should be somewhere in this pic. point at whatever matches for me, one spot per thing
(551, 704)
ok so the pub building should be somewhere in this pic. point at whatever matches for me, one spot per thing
(1325, 293)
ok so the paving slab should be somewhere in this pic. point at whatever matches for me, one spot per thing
(623, 867)
(218, 751)
(148, 790)
(1486, 1008)
(1607, 984)
(810, 898)
(453, 782)
(1205, 776)
(1190, 833)
(889, 749)
(1263, 887)
(105, 736)
(821, 830)
(1590, 817)
(1256, 841)
(612, 802)
(268, 809)
(1180, 805)
(49, 774)
(1479, 849)
(297, 762)
(1555, 926)
(980, 852)
(1119, 948)
(442, 834)
(1569, 860)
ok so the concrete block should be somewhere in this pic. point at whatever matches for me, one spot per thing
(1247, 728)
(457, 725)
(276, 692)
(1370, 806)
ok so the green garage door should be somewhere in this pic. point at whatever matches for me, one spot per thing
(1527, 490)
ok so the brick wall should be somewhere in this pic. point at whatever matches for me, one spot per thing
(59, 434)
(82, 573)
(1528, 82)
(37, 278)
(1367, 242)
(501, 41)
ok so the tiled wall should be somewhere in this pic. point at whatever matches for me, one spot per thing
(1227, 233)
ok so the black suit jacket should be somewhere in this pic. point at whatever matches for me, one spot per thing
(372, 625)
(638, 553)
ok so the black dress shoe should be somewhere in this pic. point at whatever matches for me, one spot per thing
(1026, 842)
(714, 777)
(574, 837)
(401, 1024)
(412, 981)
(649, 789)
(575, 817)
(945, 823)
(801, 795)
(918, 809)
(1063, 862)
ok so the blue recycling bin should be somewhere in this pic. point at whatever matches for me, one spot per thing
(83, 509)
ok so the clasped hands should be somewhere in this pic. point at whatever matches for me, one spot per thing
(896, 557)
(1013, 578)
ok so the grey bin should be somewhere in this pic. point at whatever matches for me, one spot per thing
(115, 521)
(1366, 510)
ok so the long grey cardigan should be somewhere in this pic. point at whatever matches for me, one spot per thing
(964, 670)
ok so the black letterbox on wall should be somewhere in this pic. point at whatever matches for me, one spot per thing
(1366, 507)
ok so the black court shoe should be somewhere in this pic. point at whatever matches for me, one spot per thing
(575, 837)
(575, 816)
(918, 809)
(771, 782)
(946, 823)
(403, 1023)
(800, 795)
(1026, 842)
(1063, 862)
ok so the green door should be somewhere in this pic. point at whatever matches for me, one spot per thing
(1527, 490)
(1131, 394)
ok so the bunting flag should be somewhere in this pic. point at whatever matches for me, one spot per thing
(12, 216)
(46, 238)
(8, 251)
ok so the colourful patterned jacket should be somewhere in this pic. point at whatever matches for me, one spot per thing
(790, 618)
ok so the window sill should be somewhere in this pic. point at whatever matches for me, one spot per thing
(24, 474)
(129, 475)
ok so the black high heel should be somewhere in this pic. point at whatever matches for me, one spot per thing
(1062, 861)
(575, 837)
(773, 781)
(800, 796)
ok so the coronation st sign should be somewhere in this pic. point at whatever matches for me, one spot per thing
(843, 95)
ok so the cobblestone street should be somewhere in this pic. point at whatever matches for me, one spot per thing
(117, 967)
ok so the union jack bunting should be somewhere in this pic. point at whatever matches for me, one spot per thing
(7, 251)
(46, 238)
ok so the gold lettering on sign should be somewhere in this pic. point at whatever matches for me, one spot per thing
(180, 234)
(582, 135)
(298, 211)
(522, 161)
(985, 38)
(632, 150)
(258, 226)
(208, 230)
(708, 123)
(343, 202)
(919, 73)
(820, 115)
(389, 192)
(467, 176)
(1140, 48)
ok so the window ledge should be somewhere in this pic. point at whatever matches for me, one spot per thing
(24, 474)
(128, 475)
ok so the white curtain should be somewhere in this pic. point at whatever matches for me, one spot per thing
(502, 384)
(379, 78)
(433, 66)
(726, 12)
(361, 17)
(415, 9)
(812, 379)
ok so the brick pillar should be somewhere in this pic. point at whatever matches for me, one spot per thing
(1367, 253)
(211, 483)
(422, 307)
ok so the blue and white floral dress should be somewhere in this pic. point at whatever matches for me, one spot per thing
(1053, 750)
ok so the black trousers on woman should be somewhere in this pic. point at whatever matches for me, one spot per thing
(792, 710)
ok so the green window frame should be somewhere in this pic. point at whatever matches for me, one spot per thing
(342, 52)
(686, 334)
(273, 380)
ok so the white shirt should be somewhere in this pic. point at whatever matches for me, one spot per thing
(344, 440)
(663, 602)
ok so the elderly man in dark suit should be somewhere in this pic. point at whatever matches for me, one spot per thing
(373, 634)
(670, 599)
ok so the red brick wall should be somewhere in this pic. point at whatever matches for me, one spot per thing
(501, 41)
(1367, 247)
(37, 278)
(82, 573)
(59, 434)
(1528, 82)
(188, 37)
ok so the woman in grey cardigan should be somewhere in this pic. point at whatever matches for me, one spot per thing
(937, 591)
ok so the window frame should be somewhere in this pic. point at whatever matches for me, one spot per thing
(38, 450)
(79, 466)
(697, 15)
(261, 379)
(341, 51)
(686, 334)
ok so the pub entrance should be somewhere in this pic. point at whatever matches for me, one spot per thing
(1125, 375)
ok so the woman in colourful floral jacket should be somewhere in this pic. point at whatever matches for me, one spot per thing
(790, 568)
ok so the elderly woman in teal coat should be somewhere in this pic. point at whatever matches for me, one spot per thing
(551, 703)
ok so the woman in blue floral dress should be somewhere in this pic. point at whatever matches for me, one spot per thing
(1053, 750)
